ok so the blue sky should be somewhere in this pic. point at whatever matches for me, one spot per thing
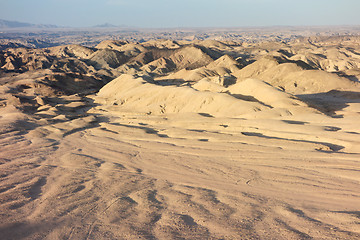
(183, 13)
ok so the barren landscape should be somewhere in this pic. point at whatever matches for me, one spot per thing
(181, 138)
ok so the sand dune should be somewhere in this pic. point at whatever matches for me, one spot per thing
(265, 93)
(181, 140)
(138, 95)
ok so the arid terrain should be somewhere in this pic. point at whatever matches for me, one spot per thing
(42, 37)
(180, 139)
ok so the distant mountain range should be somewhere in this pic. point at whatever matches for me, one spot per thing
(15, 24)
(4, 24)
(105, 25)
(109, 25)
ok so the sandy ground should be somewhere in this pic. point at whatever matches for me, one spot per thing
(121, 175)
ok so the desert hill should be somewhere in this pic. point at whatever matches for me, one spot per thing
(4, 24)
(137, 94)
(178, 139)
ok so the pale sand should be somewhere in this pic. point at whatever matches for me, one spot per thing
(127, 176)
(136, 161)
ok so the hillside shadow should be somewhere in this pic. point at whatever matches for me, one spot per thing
(333, 147)
(147, 130)
(170, 82)
(331, 102)
(249, 98)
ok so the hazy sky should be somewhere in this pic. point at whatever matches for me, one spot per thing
(183, 13)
